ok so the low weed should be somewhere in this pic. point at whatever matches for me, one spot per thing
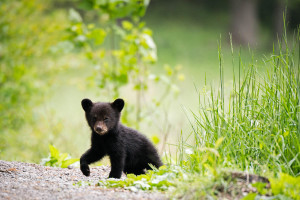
(161, 179)
(286, 185)
(57, 159)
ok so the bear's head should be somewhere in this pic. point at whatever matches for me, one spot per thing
(102, 116)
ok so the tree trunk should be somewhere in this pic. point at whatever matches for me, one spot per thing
(244, 21)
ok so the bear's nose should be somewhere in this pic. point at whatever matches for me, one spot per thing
(98, 129)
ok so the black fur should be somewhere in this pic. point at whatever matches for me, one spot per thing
(128, 150)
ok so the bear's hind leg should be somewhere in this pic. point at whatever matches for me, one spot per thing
(117, 166)
(155, 161)
(138, 172)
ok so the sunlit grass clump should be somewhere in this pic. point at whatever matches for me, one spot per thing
(257, 119)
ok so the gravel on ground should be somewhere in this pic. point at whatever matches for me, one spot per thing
(20, 180)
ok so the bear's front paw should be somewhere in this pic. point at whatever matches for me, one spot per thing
(85, 169)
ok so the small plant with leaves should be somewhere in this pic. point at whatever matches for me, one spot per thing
(283, 187)
(286, 185)
(57, 159)
(161, 179)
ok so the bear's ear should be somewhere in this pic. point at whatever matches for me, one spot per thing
(118, 104)
(86, 104)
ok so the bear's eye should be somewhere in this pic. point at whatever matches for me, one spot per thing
(95, 118)
(105, 118)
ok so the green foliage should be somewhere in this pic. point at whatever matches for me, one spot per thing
(122, 50)
(26, 36)
(155, 139)
(57, 159)
(33, 63)
(258, 118)
(118, 9)
(254, 127)
(260, 187)
(161, 179)
(286, 185)
(250, 196)
(201, 159)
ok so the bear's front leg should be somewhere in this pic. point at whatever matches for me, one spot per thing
(117, 165)
(87, 158)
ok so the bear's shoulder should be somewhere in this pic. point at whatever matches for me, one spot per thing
(131, 135)
(127, 130)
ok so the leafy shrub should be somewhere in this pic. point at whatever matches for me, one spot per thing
(57, 159)
(27, 68)
(122, 51)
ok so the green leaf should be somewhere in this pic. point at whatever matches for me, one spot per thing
(219, 142)
(168, 70)
(98, 35)
(86, 4)
(53, 152)
(62, 157)
(68, 162)
(286, 133)
(131, 176)
(250, 196)
(261, 187)
(155, 139)
(127, 25)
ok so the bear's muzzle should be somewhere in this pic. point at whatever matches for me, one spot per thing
(100, 128)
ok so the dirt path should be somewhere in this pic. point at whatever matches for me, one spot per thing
(31, 181)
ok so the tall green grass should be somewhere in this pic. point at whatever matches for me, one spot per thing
(254, 124)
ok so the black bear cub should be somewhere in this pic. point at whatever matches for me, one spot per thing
(128, 150)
